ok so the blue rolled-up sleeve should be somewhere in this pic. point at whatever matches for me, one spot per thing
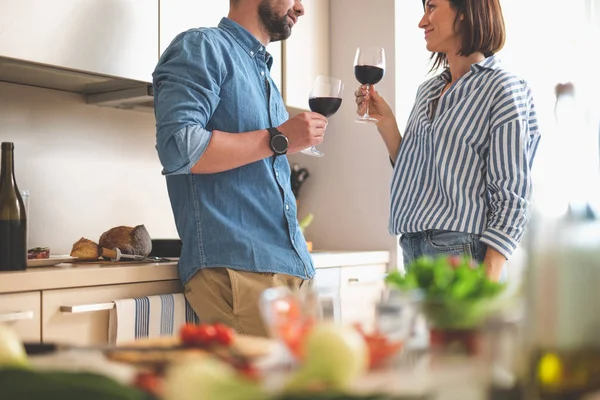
(187, 82)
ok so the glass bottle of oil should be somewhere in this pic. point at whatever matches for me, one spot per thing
(562, 324)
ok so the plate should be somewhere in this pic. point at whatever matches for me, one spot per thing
(48, 262)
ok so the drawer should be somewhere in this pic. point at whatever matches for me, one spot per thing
(91, 326)
(361, 287)
(22, 312)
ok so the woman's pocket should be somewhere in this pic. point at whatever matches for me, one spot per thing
(449, 242)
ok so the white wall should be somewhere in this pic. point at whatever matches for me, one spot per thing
(348, 190)
(88, 168)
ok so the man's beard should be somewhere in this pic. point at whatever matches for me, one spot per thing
(277, 27)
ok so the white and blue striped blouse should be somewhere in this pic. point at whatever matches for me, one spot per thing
(468, 169)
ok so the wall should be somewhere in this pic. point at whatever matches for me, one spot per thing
(348, 190)
(88, 168)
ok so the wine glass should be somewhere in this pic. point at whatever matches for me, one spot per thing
(325, 98)
(369, 68)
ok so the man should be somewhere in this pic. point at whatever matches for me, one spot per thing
(227, 175)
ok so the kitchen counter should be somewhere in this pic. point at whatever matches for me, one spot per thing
(97, 274)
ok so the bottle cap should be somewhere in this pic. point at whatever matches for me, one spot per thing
(8, 146)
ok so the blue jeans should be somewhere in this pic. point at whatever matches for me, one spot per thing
(435, 242)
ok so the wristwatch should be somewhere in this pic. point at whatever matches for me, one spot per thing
(279, 143)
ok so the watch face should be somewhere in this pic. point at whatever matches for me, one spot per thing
(280, 144)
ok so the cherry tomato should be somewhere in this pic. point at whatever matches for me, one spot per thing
(149, 382)
(223, 334)
(206, 334)
(188, 334)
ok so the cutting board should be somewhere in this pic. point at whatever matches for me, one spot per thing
(251, 347)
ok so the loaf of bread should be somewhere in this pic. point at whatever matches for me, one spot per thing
(85, 249)
(129, 240)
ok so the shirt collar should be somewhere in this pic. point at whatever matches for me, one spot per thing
(246, 40)
(491, 62)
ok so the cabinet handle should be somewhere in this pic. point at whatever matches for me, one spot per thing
(84, 308)
(375, 279)
(16, 316)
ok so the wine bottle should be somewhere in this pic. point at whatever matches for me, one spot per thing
(13, 221)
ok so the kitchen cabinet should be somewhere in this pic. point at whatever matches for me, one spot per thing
(115, 38)
(88, 323)
(72, 303)
(177, 16)
(306, 53)
(21, 311)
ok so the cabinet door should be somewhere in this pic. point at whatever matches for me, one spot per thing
(21, 311)
(306, 53)
(361, 287)
(91, 327)
(117, 38)
(177, 16)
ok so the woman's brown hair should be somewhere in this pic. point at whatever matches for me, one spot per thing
(480, 24)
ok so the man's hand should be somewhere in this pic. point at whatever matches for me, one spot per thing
(304, 130)
(494, 263)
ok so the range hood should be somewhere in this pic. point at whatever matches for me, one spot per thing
(100, 90)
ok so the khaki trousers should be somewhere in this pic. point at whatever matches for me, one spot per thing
(231, 296)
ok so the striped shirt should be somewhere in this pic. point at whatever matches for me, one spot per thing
(468, 169)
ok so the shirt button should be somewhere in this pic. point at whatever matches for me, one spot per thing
(262, 48)
(287, 207)
(276, 173)
(251, 53)
(292, 241)
(262, 73)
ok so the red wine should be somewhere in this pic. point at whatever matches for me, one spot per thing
(367, 74)
(13, 250)
(13, 221)
(326, 106)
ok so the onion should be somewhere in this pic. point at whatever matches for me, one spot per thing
(208, 378)
(335, 356)
(12, 352)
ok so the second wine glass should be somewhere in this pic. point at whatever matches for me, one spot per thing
(325, 98)
(369, 68)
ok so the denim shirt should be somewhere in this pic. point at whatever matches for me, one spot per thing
(245, 218)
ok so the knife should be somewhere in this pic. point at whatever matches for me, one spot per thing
(116, 254)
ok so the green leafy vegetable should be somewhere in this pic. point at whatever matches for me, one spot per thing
(457, 292)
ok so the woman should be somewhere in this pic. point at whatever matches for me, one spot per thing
(462, 169)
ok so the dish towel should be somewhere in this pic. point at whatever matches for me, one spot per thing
(148, 317)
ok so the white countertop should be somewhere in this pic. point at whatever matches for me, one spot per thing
(73, 275)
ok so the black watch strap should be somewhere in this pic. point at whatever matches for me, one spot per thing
(278, 142)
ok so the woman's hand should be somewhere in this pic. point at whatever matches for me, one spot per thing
(378, 107)
(494, 263)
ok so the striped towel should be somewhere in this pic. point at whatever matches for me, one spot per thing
(148, 317)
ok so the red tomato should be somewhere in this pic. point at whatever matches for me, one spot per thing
(223, 334)
(188, 334)
(149, 382)
(206, 334)
(380, 347)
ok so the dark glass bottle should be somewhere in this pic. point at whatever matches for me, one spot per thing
(13, 221)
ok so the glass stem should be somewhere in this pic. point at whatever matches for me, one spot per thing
(367, 109)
